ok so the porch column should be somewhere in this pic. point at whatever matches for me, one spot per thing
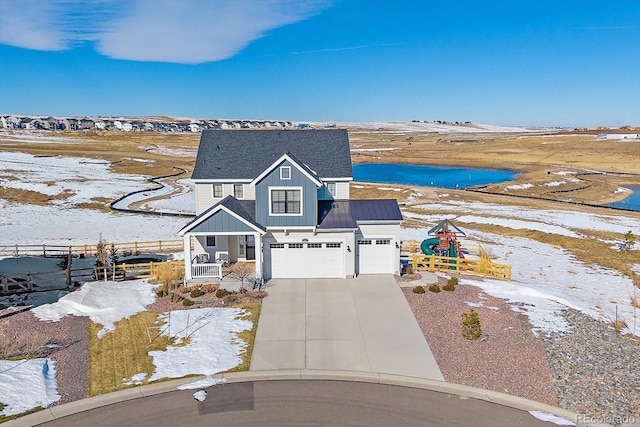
(187, 257)
(258, 240)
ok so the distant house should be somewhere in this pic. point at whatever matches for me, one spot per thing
(280, 199)
(193, 127)
(3, 122)
(126, 127)
(99, 125)
(27, 123)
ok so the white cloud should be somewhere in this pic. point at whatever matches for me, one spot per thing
(186, 31)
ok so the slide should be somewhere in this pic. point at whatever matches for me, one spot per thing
(427, 245)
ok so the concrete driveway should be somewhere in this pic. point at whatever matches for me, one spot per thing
(362, 324)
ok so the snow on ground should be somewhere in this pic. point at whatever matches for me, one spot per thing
(425, 127)
(81, 178)
(519, 186)
(566, 219)
(27, 384)
(212, 332)
(213, 346)
(103, 302)
(32, 224)
(554, 183)
(551, 418)
(519, 224)
(183, 202)
(548, 279)
(39, 137)
(172, 152)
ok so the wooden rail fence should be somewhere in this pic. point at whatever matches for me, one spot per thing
(66, 279)
(87, 250)
(482, 266)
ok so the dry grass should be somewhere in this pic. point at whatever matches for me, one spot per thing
(124, 352)
(252, 313)
(32, 197)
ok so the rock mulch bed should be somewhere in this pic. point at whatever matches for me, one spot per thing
(596, 371)
(507, 358)
(67, 343)
(590, 370)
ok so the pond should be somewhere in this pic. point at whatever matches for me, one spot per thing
(632, 202)
(430, 176)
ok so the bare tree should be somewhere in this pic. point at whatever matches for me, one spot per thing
(241, 271)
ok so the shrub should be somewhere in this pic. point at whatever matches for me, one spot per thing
(169, 275)
(451, 284)
(187, 302)
(183, 289)
(176, 297)
(434, 288)
(408, 270)
(221, 293)
(471, 328)
(196, 292)
(418, 290)
(161, 292)
(208, 288)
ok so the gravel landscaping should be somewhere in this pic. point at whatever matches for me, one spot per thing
(591, 370)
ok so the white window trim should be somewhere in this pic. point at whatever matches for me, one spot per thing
(213, 190)
(286, 214)
(241, 190)
(335, 189)
(285, 168)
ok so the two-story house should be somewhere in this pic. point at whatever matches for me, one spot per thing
(280, 199)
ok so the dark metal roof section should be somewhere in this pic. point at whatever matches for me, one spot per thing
(346, 213)
(245, 154)
(244, 208)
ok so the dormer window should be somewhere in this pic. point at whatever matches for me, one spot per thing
(285, 172)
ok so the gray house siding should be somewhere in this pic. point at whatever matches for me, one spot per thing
(309, 215)
(221, 221)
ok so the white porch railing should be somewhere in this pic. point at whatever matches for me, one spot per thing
(206, 270)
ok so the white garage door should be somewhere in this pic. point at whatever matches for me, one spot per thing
(307, 260)
(375, 256)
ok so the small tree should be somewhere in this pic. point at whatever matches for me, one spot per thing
(241, 271)
(101, 257)
(113, 255)
(471, 329)
(629, 241)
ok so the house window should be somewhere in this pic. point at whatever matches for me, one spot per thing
(364, 242)
(285, 172)
(334, 245)
(277, 245)
(331, 188)
(295, 245)
(217, 191)
(383, 241)
(238, 191)
(286, 202)
(314, 245)
(211, 240)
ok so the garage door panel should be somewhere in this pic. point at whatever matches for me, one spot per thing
(375, 256)
(307, 260)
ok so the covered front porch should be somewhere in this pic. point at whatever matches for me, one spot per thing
(211, 255)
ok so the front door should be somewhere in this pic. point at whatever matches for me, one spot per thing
(247, 247)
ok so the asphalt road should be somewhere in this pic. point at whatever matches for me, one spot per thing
(304, 402)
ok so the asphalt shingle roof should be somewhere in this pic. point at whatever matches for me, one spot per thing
(245, 154)
(243, 208)
(346, 213)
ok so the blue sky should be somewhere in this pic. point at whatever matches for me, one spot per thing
(519, 62)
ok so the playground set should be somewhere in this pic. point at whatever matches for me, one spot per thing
(444, 252)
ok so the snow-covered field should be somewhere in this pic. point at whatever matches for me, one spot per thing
(546, 278)
(425, 127)
(213, 347)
